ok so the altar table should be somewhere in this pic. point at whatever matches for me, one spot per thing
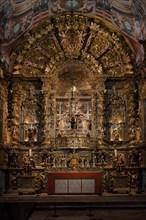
(75, 183)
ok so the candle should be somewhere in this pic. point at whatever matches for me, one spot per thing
(115, 151)
(30, 152)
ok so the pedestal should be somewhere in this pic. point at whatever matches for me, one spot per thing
(26, 185)
(120, 184)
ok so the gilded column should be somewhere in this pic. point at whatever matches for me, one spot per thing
(3, 113)
(94, 114)
(15, 116)
(101, 112)
(131, 116)
(46, 114)
(142, 113)
(52, 117)
(142, 98)
(3, 126)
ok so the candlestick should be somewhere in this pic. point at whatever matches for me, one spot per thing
(115, 151)
(30, 152)
(54, 162)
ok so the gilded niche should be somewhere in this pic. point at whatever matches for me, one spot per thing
(31, 112)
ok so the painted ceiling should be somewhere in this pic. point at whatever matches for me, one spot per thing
(18, 16)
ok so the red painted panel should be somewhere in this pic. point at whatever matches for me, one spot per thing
(75, 175)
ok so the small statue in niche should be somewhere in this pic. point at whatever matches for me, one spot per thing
(138, 129)
(39, 181)
(31, 133)
(108, 180)
(44, 157)
(74, 162)
(51, 157)
(132, 132)
(59, 135)
(73, 123)
(28, 163)
(121, 159)
(14, 132)
(138, 134)
(12, 158)
(132, 178)
(85, 123)
(14, 177)
(103, 157)
(135, 130)
(135, 157)
(119, 163)
(88, 135)
(32, 163)
(102, 131)
(115, 135)
(1, 73)
(61, 123)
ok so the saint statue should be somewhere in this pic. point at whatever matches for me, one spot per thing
(115, 134)
(61, 123)
(31, 132)
(73, 123)
(85, 123)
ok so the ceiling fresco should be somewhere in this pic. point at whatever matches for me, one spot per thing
(17, 16)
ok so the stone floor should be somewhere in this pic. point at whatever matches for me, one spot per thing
(97, 215)
(76, 207)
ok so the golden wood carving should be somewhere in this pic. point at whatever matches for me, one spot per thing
(63, 52)
(43, 48)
